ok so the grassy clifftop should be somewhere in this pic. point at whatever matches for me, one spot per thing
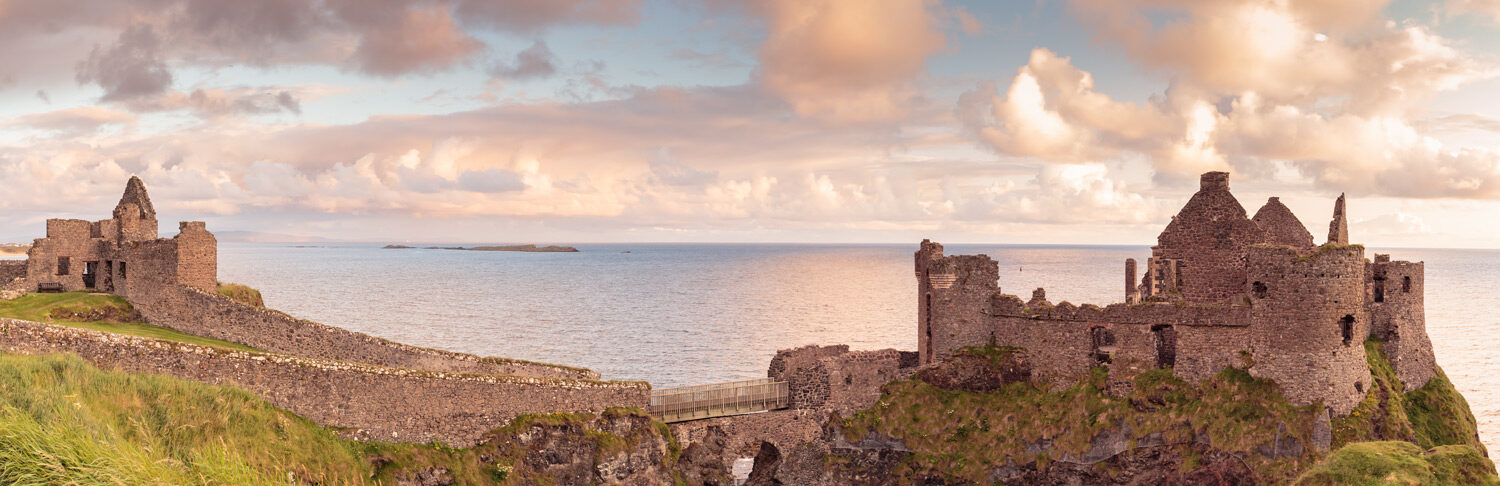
(99, 312)
(1167, 430)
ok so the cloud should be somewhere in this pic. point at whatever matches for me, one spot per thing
(1333, 95)
(410, 40)
(131, 68)
(847, 60)
(1489, 8)
(215, 103)
(82, 120)
(536, 61)
(533, 15)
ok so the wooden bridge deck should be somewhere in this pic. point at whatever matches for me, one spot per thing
(718, 400)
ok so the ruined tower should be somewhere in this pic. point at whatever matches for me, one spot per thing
(1200, 256)
(134, 216)
(1338, 229)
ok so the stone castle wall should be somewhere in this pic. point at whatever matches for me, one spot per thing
(197, 256)
(1311, 323)
(70, 238)
(834, 378)
(1396, 293)
(11, 270)
(953, 306)
(372, 402)
(196, 312)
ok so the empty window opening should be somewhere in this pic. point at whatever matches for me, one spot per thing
(1346, 328)
(928, 326)
(1260, 290)
(122, 270)
(1166, 345)
(63, 264)
(1406, 285)
(90, 274)
(1359, 386)
(1380, 289)
(1102, 345)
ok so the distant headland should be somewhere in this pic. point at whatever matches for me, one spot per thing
(525, 248)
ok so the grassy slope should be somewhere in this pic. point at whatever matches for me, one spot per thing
(1374, 463)
(1430, 416)
(40, 308)
(63, 421)
(243, 294)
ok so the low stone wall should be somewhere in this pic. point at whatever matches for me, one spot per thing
(370, 402)
(192, 311)
(10, 270)
(834, 378)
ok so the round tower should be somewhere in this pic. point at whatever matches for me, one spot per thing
(1309, 322)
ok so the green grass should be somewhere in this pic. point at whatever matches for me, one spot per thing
(1434, 415)
(1376, 463)
(43, 307)
(242, 294)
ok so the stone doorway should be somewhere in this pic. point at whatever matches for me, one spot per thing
(90, 274)
(1166, 345)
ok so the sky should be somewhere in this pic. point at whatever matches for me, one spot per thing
(882, 121)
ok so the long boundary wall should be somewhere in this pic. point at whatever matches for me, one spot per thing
(176, 306)
(372, 402)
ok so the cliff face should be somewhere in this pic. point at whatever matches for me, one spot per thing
(976, 419)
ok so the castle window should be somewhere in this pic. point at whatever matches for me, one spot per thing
(1260, 290)
(122, 270)
(1166, 345)
(1380, 289)
(1406, 285)
(1346, 327)
(62, 265)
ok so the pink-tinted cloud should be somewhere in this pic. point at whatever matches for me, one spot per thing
(1331, 88)
(847, 60)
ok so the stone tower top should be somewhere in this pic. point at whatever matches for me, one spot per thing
(1214, 181)
(1338, 229)
(135, 193)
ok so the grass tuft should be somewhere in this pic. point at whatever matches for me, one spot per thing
(242, 294)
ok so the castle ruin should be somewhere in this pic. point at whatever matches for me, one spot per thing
(122, 254)
(1220, 289)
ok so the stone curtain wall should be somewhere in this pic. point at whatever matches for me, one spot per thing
(376, 403)
(192, 311)
(1297, 335)
(957, 294)
(1400, 319)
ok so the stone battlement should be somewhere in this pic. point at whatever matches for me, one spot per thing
(1220, 289)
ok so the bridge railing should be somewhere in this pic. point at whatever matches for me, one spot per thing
(718, 400)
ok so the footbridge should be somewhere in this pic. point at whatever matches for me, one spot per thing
(718, 400)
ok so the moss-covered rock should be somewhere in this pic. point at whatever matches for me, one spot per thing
(243, 294)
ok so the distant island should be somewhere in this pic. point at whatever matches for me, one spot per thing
(525, 248)
(14, 248)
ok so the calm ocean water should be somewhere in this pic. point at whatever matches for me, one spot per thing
(680, 314)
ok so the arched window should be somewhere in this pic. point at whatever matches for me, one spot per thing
(1346, 328)
(1102, 345)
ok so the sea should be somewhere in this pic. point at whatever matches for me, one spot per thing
(684, 314)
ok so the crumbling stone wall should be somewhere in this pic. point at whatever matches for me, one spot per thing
(371, 402)
(1310, 322)
(197, 256)
(196, 312)
(953, 295)
(834, 378)
(11, 270)
(1396, 296)
(70, 238)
